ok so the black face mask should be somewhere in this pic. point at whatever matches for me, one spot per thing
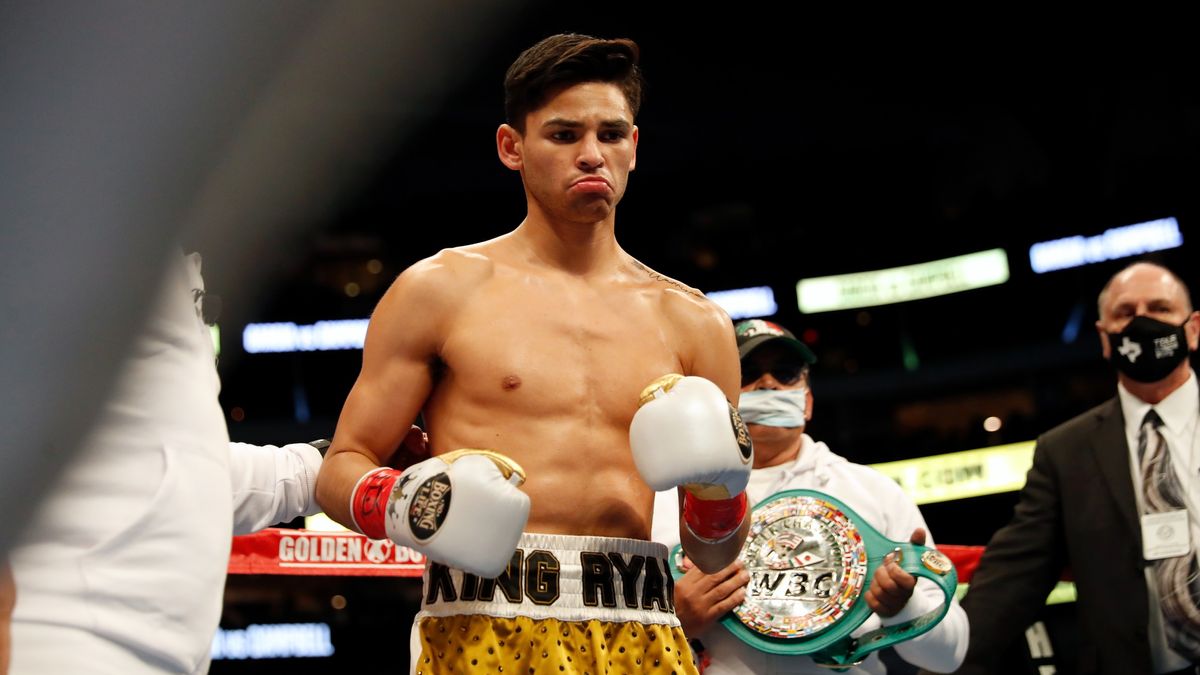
(1148, 349)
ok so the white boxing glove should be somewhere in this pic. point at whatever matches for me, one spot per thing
(685, 432)
(462, 509)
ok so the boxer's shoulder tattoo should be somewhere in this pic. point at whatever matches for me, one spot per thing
(658, 277)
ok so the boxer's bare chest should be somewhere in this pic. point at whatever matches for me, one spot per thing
(550, 345)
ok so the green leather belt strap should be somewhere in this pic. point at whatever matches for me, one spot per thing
(827, 554)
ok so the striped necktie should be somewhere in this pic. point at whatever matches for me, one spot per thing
(1177, 578)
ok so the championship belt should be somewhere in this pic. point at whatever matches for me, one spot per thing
(811, 560)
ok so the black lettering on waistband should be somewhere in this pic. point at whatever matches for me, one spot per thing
(440, 583)
(509, 581)
(541, 577)
(629, 575)
(597, 574)
(470, 586)
(653, 591)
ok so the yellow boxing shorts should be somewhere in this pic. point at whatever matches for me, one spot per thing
(574, 605)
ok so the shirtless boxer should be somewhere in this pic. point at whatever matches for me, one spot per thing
(539, 345)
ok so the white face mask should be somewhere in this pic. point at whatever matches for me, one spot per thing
(774, 407)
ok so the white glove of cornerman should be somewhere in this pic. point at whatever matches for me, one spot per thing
(462, 509)
(686, 433)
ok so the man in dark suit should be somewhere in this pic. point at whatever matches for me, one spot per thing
(1083, 505)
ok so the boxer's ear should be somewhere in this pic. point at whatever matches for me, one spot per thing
(510, 147)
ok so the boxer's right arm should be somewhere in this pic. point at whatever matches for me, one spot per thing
(478, 529)
(402, 343)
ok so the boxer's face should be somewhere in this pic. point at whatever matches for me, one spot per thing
(576, 153)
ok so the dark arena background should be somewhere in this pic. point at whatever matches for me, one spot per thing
(771, 151)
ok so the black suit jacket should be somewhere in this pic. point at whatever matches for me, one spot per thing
(1077, 510)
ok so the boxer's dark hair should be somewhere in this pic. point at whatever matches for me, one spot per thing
(560, 61)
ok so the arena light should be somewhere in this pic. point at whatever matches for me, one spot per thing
(273, 641)
(902, 284)
(1118, 242)
(263, 338)
(958, 475)
(746, 303)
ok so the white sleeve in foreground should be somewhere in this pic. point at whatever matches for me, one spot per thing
(272, 484)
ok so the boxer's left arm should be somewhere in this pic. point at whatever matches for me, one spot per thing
(714, 356)
(708, 349)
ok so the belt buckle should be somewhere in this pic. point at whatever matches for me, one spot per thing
(807, 564)
(811, 559)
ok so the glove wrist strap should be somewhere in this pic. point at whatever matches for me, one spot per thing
(368, 506)
(714, 519)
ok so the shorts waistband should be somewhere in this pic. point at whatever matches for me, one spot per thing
(562, 577)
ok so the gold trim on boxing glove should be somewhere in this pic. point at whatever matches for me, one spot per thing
(708, 491)
(508, 467)
(664, 383)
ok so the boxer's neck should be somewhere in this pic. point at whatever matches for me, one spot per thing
(579, 248)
